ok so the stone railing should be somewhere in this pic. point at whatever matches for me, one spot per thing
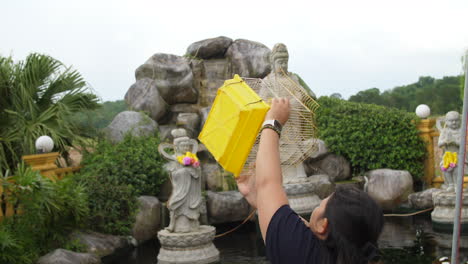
(45, 164)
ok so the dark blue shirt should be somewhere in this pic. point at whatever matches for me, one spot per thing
(289, 240)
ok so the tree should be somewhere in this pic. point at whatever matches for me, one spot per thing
(441, 95)
(37, 97)
(370, 96)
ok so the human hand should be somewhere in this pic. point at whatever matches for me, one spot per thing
(279, 110)
(246, 186)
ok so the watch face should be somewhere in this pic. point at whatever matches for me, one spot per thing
(277, 124)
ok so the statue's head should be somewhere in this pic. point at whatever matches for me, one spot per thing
(182, 143)
(279, 58)
(452, 120)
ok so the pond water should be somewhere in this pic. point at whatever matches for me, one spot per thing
(403, 240)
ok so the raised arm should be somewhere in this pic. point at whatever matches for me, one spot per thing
(269, 180)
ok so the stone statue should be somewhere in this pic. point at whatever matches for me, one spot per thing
(185, 200)
(281, 83)
(449, 141)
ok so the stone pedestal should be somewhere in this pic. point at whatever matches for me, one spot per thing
(444, 212)
(188, 248)
(301, 196)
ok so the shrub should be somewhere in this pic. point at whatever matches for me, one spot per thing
(371, 136)
(49, 211)
(114, 175)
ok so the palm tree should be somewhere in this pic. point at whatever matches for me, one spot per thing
(37, 97)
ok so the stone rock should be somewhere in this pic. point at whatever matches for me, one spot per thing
(389, 187)
(209, 48)
(211, 172)
(198, 71)
(175, 110)
(321, 185)
(204, 115)
(144, 96)
(62, 256)
(191, 123)
(172, 76)
(423, 200)
(136, 123)
(229, 206)
(148, 219)
(215, 72)
(335, 166)
(356, 182)
(321, 149)
(165, 132)
(249, 58)
(165, 189)
(101, 244)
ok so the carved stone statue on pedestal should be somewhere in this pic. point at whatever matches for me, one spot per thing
(294, 145)
(444, 211)
(185, 240)
(184, 203)
(449, 141)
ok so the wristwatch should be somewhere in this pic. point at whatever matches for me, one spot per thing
(272, 124)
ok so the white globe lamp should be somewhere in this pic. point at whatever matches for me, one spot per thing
(44, 144)
(423, 111)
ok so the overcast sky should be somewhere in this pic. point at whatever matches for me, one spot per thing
(335, 46)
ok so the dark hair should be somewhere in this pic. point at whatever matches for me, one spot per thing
(355, 222)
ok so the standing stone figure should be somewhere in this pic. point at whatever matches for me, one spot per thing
(449, 141)
(185, 200)
(276, 84)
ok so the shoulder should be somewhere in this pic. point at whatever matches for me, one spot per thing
(289, 240)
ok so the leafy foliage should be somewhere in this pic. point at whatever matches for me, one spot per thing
(92, 121)
(114, 175)
(441, 95)
(36, 98)
(371, 136)
(46, 212)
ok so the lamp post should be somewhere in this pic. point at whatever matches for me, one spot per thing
(44, 144)
(44, 162)
(425, 127)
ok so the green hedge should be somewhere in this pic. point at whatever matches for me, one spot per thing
(371, 136)
(115, 175)
(50, 211)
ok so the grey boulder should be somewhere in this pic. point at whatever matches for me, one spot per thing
(229, 206)
(62, 256)
(172, 76)
(321, 185)
(101, 244)
(148, 219)
(191, 122)
(320, 151)
(135, 123)
(335, 166)
(423, 200)
(389, 188)
(211, 172)
(144, 96)
(209, 48)
(249, 58)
